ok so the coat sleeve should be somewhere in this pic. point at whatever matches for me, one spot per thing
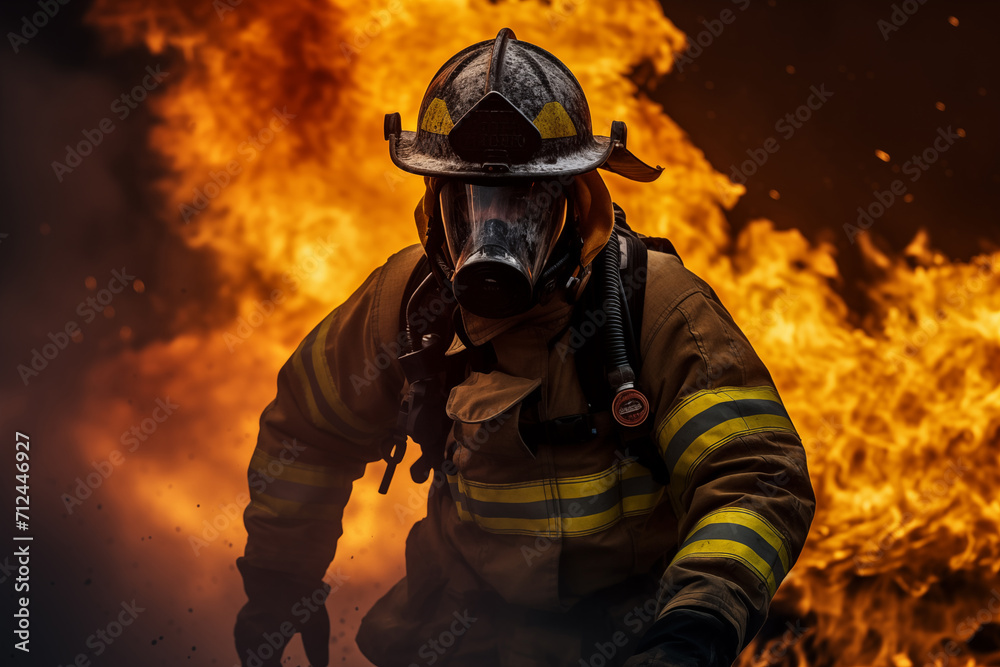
(336, 403)
(738, 480)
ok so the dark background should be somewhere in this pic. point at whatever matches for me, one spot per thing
(885, 92)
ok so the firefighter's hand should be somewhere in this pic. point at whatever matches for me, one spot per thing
(687, 638)
(280, 606)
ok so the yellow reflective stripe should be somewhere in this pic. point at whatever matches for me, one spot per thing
(577, 526)
(289, 509)
(733, 550)
(436, 118)
(719, 435)
(551, 527)
(567, 526)
(527, 492)
(320, 391)
(590, 485)
(556, 498)
(582, 487)
(501, 524)
(299, 473)
(463, 513)
(756, 522)
(641, 504)
(700, 401)
(514, 526)
(315, 415)
(707, 420)
(553, 122)
(569, 488)
(329, 387)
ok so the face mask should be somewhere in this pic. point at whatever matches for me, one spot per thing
(499, 238)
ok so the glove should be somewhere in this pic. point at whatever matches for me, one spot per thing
(687, 638)
(659, 656)
(278, 607)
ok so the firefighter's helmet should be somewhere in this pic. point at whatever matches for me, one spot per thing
(507, 109)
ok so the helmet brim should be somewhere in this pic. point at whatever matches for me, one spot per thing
(601, 153)
(623, 162)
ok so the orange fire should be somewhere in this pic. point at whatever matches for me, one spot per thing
(272, 130)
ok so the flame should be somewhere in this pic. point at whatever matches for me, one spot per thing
(898, 407)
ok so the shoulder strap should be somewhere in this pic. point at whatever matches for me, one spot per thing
(431, 375)
(637, 441)
(420, 271)
(422, 411)
(633, 274)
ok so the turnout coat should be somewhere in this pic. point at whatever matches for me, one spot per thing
(541, 553)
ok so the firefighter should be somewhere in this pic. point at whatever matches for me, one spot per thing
(614, 479)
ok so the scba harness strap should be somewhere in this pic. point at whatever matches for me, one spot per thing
(592, 372)
(431, 374)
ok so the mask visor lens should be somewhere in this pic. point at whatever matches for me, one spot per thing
(499, 238)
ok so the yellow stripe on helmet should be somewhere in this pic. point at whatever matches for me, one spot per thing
(554, 123)
(436, 118)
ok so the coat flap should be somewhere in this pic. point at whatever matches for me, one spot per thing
(483, 396)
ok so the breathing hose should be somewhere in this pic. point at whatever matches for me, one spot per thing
(630, 407)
